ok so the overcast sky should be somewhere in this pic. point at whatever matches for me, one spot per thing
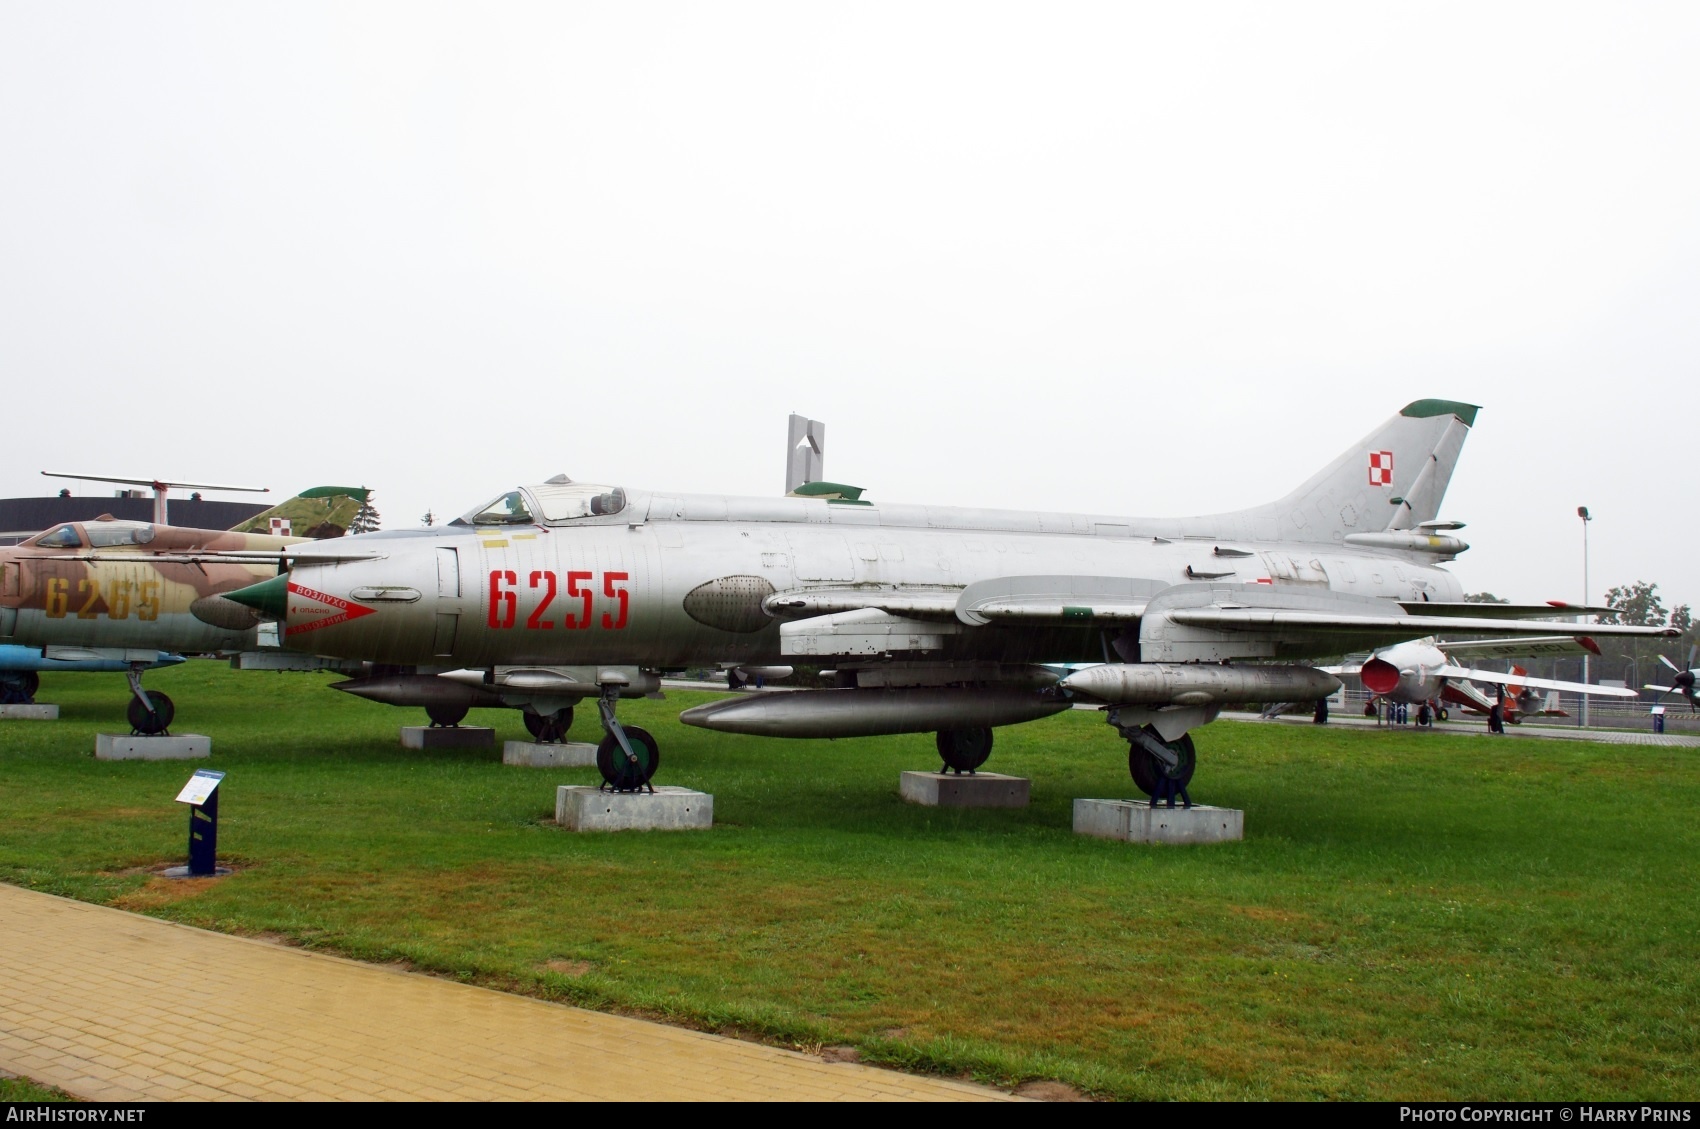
(1148, 259)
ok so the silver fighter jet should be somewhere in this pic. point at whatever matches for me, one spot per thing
(933, 618)
(1425, 670)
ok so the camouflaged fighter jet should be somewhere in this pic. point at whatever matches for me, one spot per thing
(109, 593)
(933, 618)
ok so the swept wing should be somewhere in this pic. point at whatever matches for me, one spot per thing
(1523, 646)
(1504, 678)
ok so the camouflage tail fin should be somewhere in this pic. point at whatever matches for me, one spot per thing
(323, 511)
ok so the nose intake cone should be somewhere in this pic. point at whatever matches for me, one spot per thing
(269, 597)
(219, 612)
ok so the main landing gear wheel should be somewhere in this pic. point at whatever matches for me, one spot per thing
(1443, 714)
(618, 772)
(548, 727)
(18, 687)
(1147, 770)
(964, 750)
(446, 716)
(151, 724)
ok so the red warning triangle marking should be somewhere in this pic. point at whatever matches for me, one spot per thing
(337, 609)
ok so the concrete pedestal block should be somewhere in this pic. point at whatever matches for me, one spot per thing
(172, 747)
(968, 790)
(566, 754)
(580, 808)
(448, 737)
(1136, 821)
(30, 712)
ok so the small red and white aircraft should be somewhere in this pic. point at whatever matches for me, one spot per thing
(1421, 671)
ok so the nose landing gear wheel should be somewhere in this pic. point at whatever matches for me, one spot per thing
(1147, 770)
(446, 716)
(964, 750)
(548, 728)
(150, 724)
(618, 772)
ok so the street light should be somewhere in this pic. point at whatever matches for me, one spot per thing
(1582, 512)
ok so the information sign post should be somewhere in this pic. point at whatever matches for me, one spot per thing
(201, 794)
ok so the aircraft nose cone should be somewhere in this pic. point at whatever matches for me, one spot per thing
(228, 614)
(269, 597)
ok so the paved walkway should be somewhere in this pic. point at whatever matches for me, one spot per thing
(1473, 726)
(114, 1006)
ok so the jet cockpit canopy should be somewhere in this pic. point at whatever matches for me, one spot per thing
(102, 533)
(554, 502)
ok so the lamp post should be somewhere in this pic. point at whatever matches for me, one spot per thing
(1582, 512)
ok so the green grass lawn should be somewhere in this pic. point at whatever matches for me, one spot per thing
(1411, 915)
(23, 1090)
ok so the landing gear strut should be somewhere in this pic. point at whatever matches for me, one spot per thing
(149, 715)
(964, 750)
(628, 756)
(548, 728)
(1161, 767)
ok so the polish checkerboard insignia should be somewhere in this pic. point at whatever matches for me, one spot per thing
(280, 527)
(1381, 468)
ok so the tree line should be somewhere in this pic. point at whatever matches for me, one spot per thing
(1635, 662)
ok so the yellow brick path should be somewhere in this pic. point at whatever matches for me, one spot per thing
(114, 1006)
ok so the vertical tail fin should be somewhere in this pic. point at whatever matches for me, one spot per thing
(1392, 479)
(323, 511)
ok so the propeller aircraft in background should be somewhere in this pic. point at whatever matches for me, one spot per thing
(1683, 683)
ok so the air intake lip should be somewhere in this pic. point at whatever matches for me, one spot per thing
(1379, 676)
